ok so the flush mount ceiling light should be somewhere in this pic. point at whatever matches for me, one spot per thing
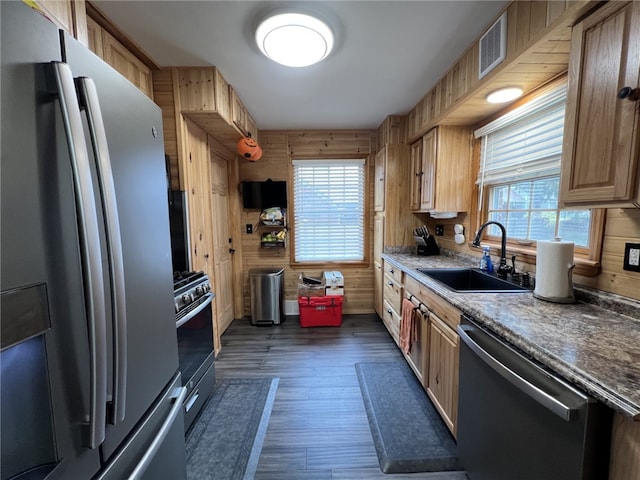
(503, 95)
(294, 39)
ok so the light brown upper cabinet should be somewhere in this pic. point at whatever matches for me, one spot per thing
(441, 181)
(67, 14)
(416, 175)
(378, 190)
(241, 117)
(107, 47)
(602, 138)
(204, 91)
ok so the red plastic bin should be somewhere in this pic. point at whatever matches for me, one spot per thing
(320, 311)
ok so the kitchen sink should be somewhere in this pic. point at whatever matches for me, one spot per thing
(471, 280)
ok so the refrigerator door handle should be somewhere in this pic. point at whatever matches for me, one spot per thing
(89, 100)
(90, 251)
(178, 398)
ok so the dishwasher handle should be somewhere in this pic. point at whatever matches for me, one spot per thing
(535, 392)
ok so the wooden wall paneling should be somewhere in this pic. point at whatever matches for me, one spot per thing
(555, 9)
(525, 35)
(329, 143)
(622, 226)
(538, 17)
(274, 161)
(518, 18)
(278, 148)
(435, 103)
(462, 83)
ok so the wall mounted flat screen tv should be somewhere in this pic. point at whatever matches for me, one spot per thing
(261, 195)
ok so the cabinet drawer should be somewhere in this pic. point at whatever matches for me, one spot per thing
(392, 293)
(443, 309)
(394, 272)
(391, 320)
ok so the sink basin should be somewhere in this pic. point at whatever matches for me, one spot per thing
(471, 280)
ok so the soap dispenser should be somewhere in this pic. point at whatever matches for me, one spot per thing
(486, 265)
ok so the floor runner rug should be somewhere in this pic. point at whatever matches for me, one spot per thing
(408, 433)
(225, 441)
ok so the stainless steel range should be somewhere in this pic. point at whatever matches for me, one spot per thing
(194, 324)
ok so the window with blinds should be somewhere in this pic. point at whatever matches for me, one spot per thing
(328, 210)
(519, 176)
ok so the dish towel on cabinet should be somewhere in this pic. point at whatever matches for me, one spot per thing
(408, 325)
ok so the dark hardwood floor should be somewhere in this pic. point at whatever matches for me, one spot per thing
(318, 427)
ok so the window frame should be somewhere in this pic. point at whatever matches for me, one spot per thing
(367, 205)
(587, 260)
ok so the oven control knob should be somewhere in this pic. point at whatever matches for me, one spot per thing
(207, 287)
(199, 290)
(186, 298)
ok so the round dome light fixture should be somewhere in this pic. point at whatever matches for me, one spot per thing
(503, 95)
(294, 39)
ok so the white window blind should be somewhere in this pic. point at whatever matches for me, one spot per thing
(328, 210)
(524, 144)
(520, 173)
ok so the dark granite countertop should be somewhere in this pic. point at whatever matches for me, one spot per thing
(594, 343)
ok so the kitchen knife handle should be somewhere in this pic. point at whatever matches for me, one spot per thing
(90, 251)
(89, 100)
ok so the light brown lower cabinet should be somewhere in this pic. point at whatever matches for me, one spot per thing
(442, 382)
(434, 356)
(625, 449)
(417, 358)
(391, 320)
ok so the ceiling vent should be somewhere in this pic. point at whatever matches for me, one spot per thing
(493, 45)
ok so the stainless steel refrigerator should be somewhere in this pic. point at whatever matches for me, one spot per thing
(90, 387)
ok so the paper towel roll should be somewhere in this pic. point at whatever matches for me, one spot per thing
(554, 268)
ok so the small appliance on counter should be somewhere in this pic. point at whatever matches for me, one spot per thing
(426, 243)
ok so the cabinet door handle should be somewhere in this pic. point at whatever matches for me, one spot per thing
(390, 284)
(629, 93)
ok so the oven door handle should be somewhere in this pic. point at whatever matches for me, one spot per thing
(195, 311)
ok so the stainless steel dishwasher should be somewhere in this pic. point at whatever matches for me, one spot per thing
(519, 421)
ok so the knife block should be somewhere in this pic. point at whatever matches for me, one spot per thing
(431, 247)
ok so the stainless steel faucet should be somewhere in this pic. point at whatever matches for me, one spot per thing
(503, 268)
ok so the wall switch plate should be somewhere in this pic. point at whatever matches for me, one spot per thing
(249, 228)
(439, 230)
(632, 257)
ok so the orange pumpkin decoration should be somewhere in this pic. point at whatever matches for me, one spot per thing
(249, 148)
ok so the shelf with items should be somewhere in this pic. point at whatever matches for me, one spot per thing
(273, 228)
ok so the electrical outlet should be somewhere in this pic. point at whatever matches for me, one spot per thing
(439, 230)
(632, 257)
(249, 228)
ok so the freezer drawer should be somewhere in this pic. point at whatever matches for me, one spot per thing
(158, 438)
